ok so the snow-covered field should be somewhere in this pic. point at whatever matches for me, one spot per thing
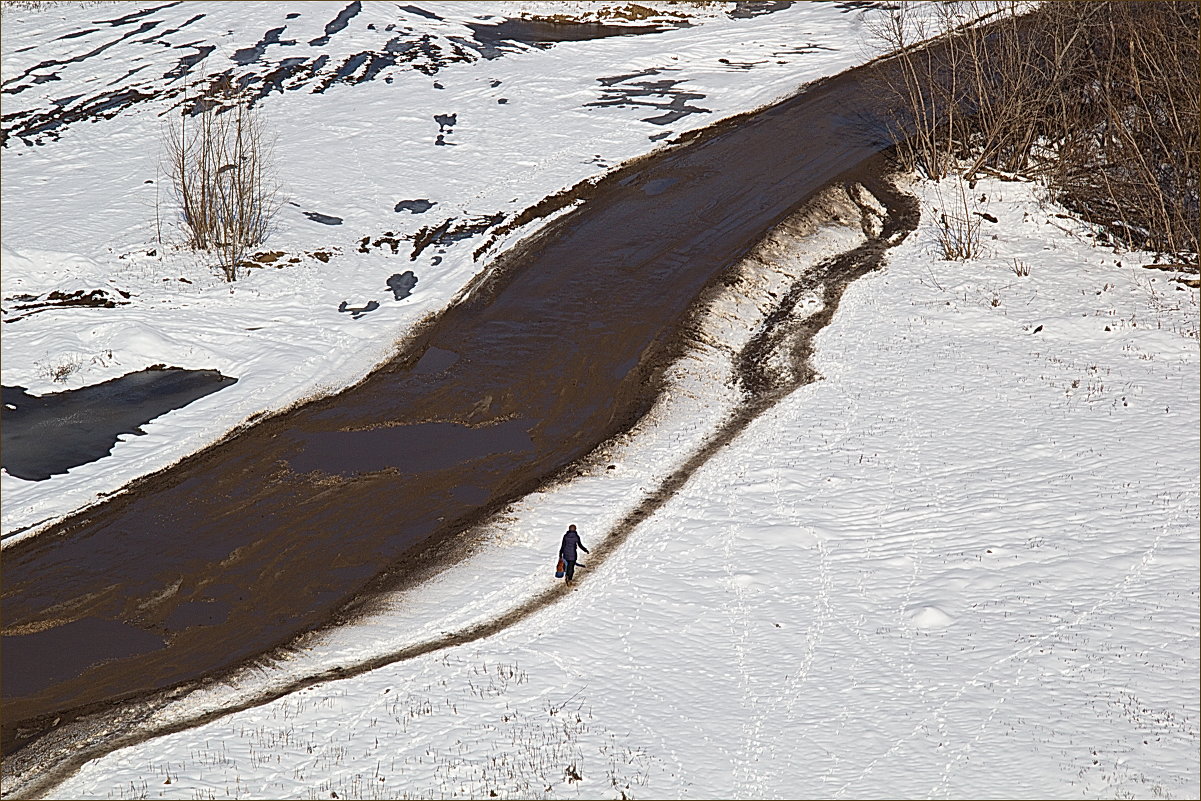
(400, 120)
(963, 563)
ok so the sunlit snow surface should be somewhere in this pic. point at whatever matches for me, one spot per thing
(964, 563)
(357, 97)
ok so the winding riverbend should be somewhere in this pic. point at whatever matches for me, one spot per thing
(266, 535)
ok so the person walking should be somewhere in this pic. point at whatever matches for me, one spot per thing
(571, 541)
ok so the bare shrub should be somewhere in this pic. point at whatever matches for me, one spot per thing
(958, 229)
(1102, 99)
(926, 87)
(61, 371)
(1127, 133)
(219, 161)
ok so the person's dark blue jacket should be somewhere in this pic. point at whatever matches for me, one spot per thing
(571, 541)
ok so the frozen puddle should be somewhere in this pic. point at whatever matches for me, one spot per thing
(45, 435)
(544, 33)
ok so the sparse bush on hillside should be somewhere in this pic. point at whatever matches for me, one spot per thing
(958, 227)
(1101, 98)
(220, 165)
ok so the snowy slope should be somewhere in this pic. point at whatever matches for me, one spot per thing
(388, 119)
(963, 563)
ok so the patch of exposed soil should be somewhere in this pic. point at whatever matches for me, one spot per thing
(26, 305)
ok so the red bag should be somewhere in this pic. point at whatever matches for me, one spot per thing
(561, 569)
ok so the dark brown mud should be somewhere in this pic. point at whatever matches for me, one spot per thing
(266, 535)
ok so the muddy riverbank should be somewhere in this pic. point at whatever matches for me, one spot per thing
(266, 535)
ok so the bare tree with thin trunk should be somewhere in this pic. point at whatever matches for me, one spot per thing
(220, 164)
